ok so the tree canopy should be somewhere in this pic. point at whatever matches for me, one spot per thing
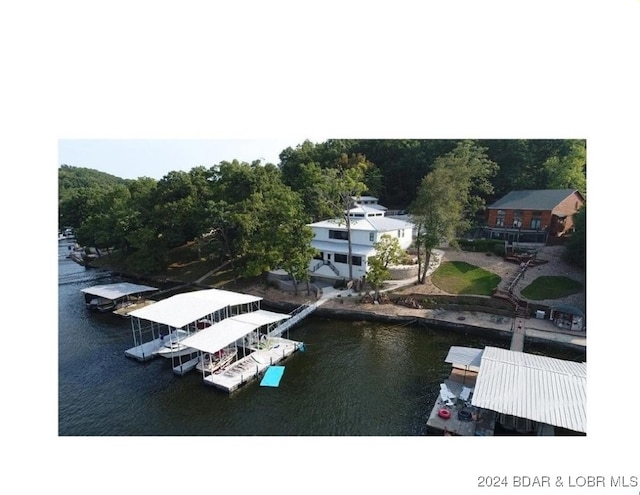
(449, 197)
(255, 216)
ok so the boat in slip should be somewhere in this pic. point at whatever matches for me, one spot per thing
(217, 361)
(181, 316)
(172, 347)
(112, 297)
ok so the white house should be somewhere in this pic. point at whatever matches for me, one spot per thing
(368, 225)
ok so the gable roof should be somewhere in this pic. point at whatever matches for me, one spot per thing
(533, 199)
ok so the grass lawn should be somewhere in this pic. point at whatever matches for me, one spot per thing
(458, 277)
(551, 288)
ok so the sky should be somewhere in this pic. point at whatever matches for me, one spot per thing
(250, 70)
(134, 158)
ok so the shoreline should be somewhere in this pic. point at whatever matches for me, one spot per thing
(477, 323)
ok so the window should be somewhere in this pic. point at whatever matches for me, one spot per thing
(340, 258)
(339, 234)
(536, 220)
(372, 236)
(500, 219)
(517, 219)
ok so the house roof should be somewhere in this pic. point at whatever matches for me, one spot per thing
(539, 388)
(343, 248)
(568, 309)
(365, 198)
(376, 209)
(533, 199)
(371, 224)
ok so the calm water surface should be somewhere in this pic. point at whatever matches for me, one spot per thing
(355, 378)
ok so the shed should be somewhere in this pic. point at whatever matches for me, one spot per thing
(568, 317)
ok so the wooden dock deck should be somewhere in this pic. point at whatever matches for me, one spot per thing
(125, 310)
(252, 366)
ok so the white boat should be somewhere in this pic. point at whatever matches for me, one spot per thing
(110, 297)
(66, 234)
(216, 362)
(173, 347)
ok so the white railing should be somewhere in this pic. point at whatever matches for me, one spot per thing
(297, 314)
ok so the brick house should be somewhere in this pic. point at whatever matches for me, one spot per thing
(543, 216)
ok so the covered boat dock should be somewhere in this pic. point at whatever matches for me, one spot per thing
(250, 331)
(171, 320)
(495, 390)
(117, 296)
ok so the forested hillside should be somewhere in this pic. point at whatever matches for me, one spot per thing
(254, 216)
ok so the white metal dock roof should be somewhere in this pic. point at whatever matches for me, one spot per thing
(115, 291)
(182, 309)
(464, 356)
(227, 331)
(539, 388)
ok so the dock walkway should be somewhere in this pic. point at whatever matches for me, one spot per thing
(252, 366)
(296, 316)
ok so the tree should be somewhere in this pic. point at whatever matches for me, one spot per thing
(449, 197)
(576, 247)
(568, 171)
(297, 252)
(347, 180)
(258, 220)
(388, 252)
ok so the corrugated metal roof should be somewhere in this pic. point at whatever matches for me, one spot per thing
(532, 199)
(539, 388)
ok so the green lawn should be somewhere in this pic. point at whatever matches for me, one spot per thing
(458, 277)
(551, 288)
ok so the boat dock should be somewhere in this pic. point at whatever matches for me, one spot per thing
(253, 366)
(460, 419)
(146, 351)
(125, 310)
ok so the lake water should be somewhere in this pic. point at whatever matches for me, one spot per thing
(354, 379)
